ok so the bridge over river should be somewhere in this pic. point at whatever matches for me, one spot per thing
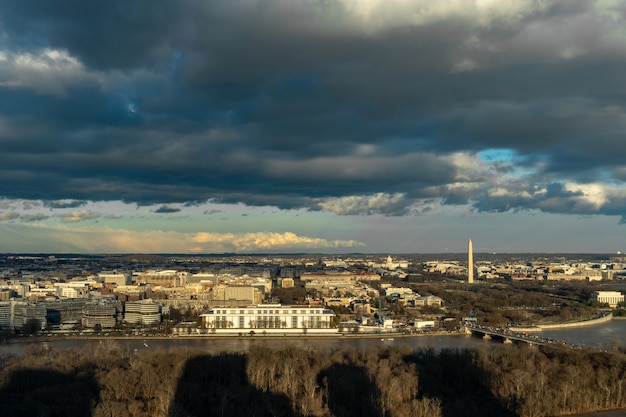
(508, 336)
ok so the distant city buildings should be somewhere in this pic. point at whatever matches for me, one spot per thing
(89, 293)
(530, 270)
(339, 277)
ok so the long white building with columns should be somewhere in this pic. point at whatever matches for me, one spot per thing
(271, 318)
(612, 298)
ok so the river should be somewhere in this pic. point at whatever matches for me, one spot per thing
(601, 336)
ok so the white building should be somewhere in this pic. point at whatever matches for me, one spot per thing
(203, 277)
(166, 278)
(429, 300)
(114, 277)
(145, 312)
(268, 317)
(424, 324)
(613, 298)
(400, 291)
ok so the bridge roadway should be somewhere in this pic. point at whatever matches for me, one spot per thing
(508, 336)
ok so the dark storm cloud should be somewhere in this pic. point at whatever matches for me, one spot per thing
(103, 34)
(64, 204)
(355, 107)
(167, 209)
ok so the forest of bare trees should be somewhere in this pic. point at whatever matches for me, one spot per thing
(106, 380)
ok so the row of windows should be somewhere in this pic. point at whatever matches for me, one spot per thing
(269, 322)
(301, 311)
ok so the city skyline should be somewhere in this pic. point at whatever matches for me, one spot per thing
(274, 126)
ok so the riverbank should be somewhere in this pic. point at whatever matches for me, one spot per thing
(230, 336)
(608, 316)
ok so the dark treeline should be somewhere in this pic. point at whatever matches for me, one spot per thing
(105, 380)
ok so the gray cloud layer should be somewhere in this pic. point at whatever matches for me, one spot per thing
(354, 107)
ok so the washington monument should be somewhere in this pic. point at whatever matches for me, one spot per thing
(470, 263)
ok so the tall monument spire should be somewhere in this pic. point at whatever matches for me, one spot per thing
(470, 262)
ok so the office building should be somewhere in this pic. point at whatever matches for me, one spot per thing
(144, 312)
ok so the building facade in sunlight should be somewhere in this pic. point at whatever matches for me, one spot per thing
(268, 317)
(612, 298)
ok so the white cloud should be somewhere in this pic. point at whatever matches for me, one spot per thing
(593, 194)
(468, 166)
(379, 203)
(79, 216)
(571, 51)
(609, 9)
(36, 237)
(465, 65)
(48, 71)
(503, 192)
(382, 14)
(261, 241)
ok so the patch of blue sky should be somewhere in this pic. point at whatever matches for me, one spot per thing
(507, 157)
(497, 155)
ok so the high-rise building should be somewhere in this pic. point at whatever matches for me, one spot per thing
(470, 262)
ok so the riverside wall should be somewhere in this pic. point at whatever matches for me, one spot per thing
(605, 318)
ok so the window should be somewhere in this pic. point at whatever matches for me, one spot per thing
(241, 324)
(294, 322)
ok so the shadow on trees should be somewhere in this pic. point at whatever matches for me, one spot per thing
(218, 386)
(349, 391)
(452, 376)
(37, 392)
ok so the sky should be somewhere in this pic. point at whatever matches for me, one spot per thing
(321, 126)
